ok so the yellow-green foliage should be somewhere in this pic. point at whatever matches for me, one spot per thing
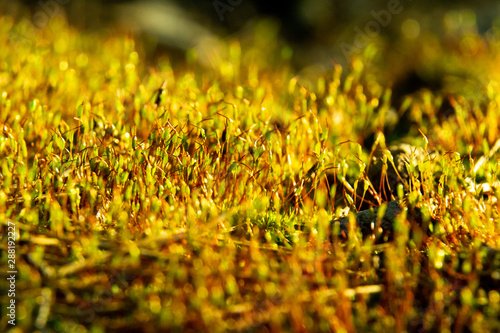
(190, 197)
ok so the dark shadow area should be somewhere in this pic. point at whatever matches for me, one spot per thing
(320, 31)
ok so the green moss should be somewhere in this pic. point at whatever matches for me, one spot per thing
(201, 198)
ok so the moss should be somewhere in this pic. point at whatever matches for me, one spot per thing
(201, 197)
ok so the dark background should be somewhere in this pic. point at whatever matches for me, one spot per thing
(315, 29)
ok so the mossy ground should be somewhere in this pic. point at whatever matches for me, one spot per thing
(194, 198)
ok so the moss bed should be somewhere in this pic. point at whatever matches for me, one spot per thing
(153, 197)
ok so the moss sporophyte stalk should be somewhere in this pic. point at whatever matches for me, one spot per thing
(155, 194)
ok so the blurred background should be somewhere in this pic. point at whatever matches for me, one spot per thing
(317, 33)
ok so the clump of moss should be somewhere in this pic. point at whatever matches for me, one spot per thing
(202, 198)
